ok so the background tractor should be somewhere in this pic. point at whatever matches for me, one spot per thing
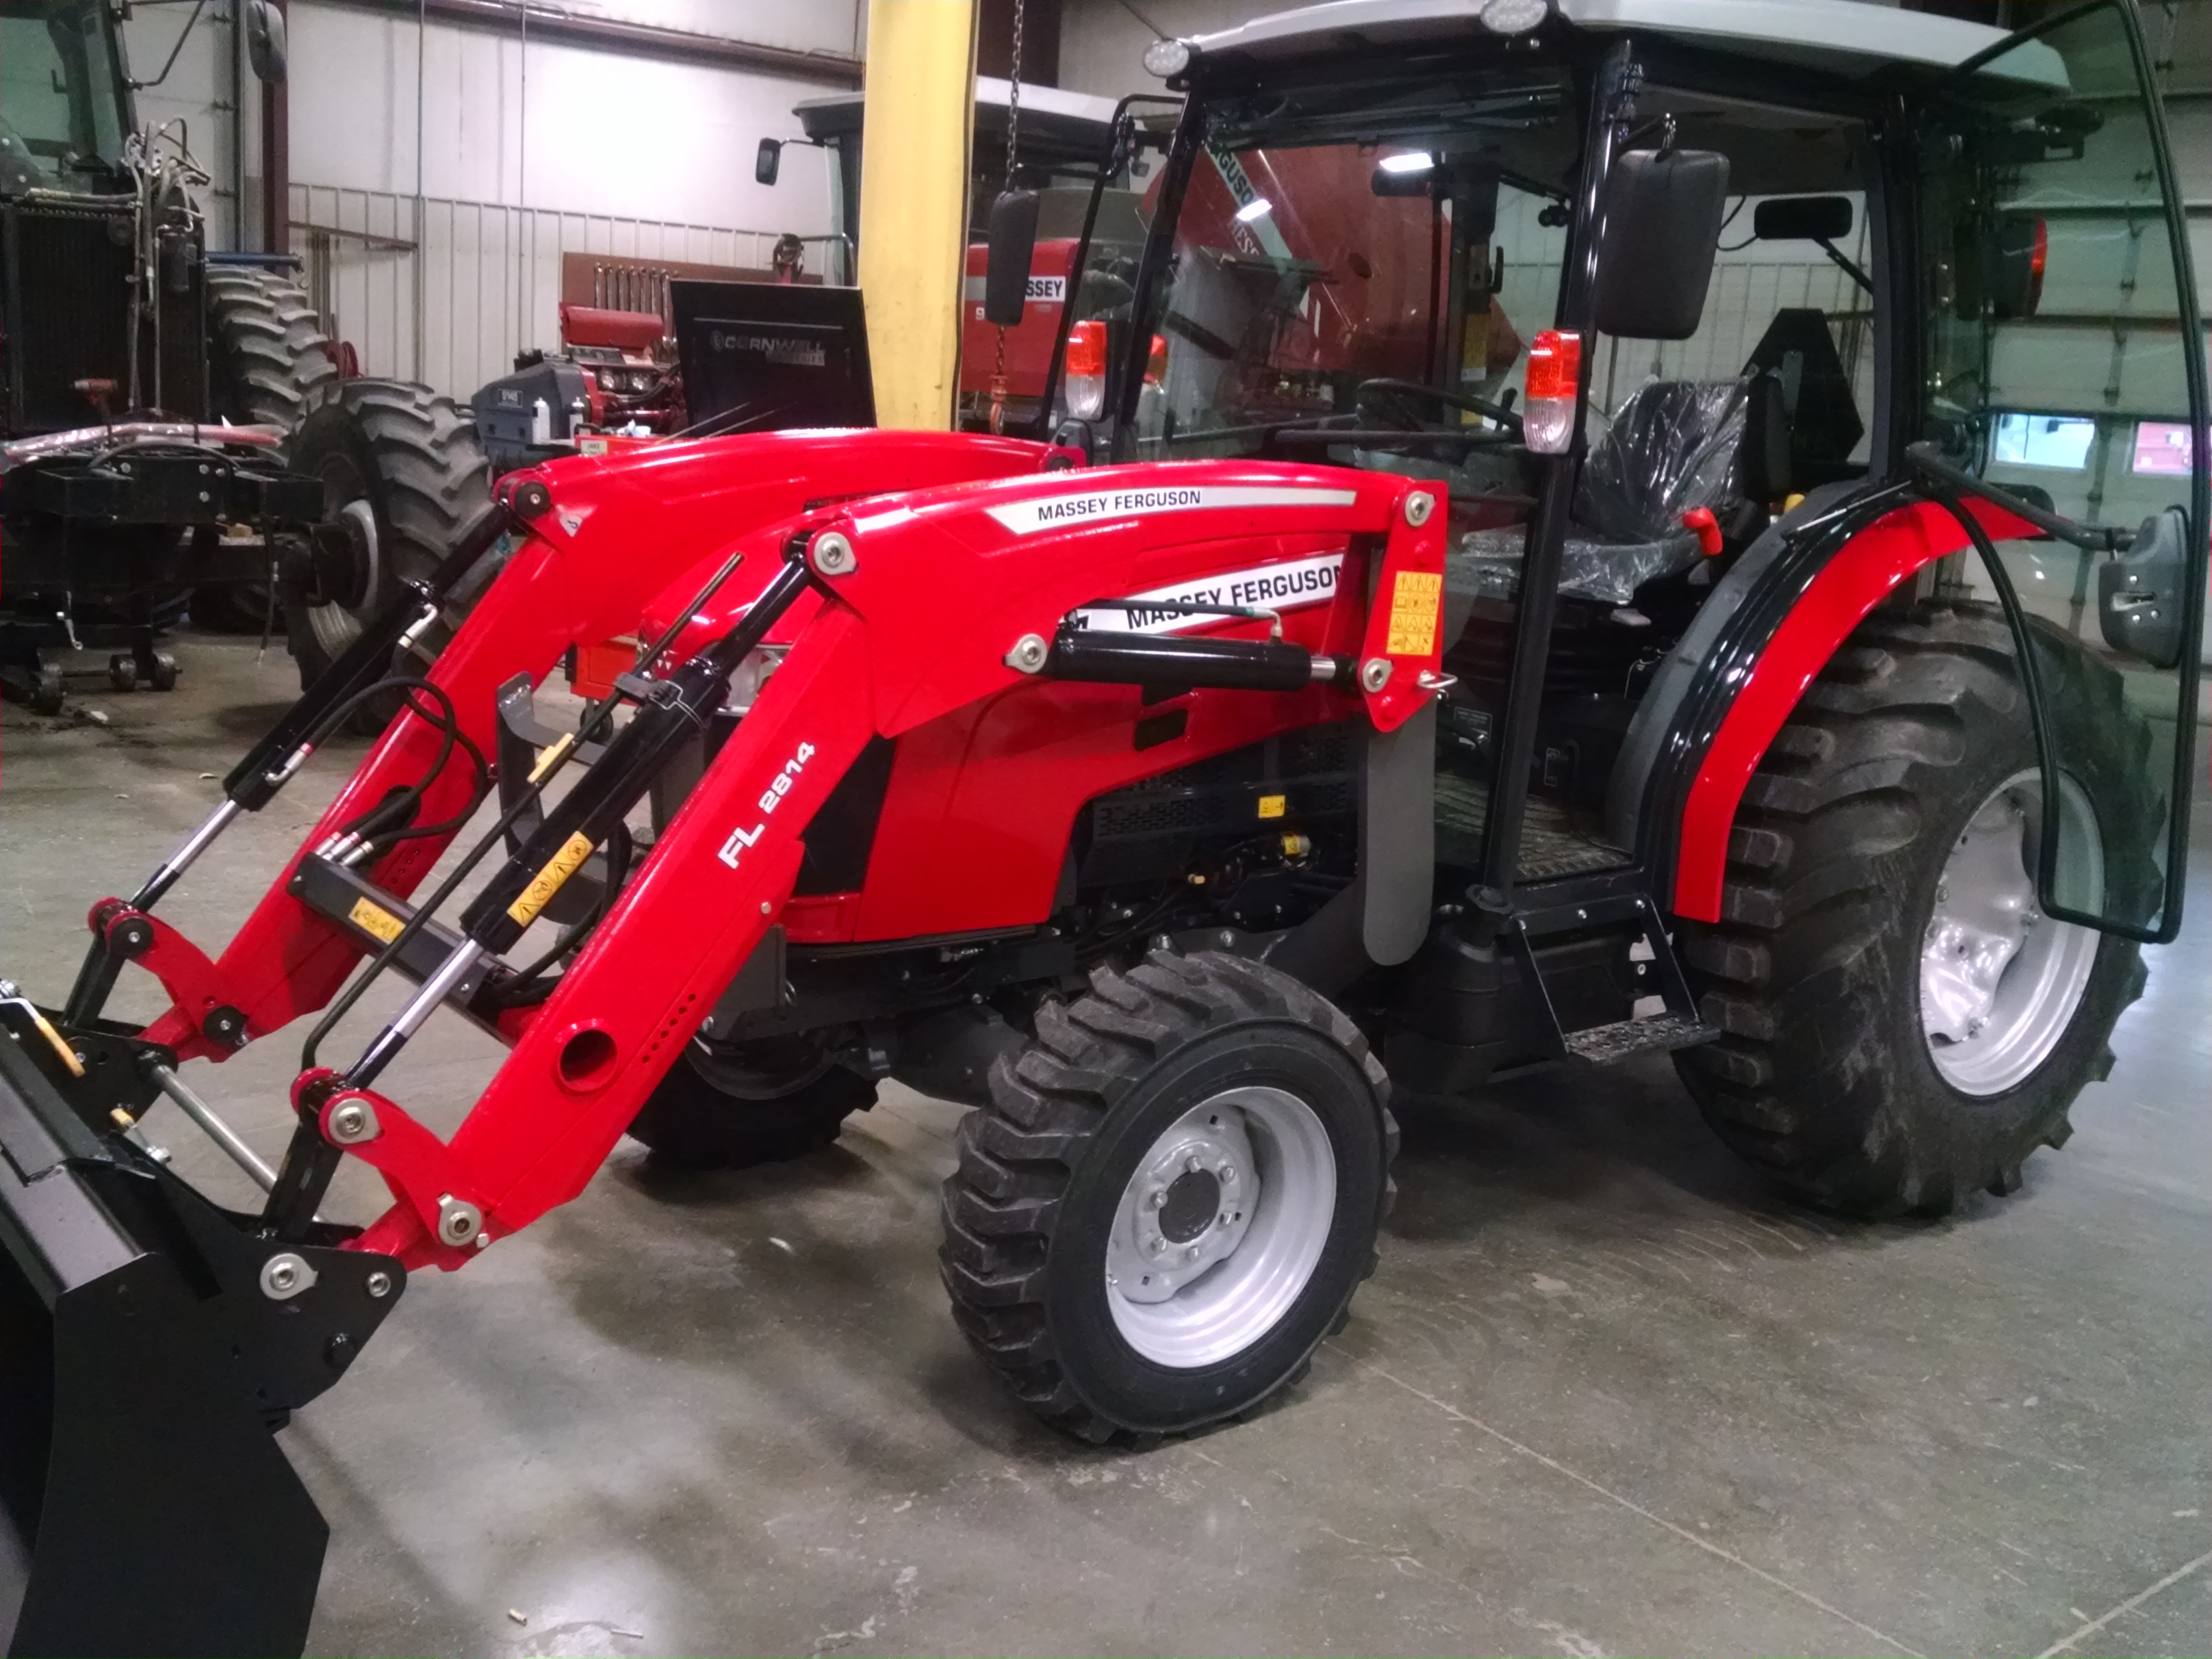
(172, 426)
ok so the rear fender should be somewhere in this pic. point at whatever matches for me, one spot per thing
(1783, 634)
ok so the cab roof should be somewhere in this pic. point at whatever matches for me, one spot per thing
(1846, 37)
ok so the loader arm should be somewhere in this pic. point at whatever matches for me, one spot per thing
(604, 539)
(899, 638)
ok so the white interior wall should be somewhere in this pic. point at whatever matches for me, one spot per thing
(556, 126)
(198, 91)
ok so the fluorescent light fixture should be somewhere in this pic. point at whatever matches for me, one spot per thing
(1258, 208)
(1411, 160)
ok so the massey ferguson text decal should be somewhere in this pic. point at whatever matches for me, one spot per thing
(1269, 586)
(1097, 506)
(770, 799)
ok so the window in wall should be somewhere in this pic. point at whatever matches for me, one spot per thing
(2054, 440)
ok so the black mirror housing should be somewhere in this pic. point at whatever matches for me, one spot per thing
(1803, 219)
(265, 46)
(768, 160)
(1659, 226)
(1013, 245)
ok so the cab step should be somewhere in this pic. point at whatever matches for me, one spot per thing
(1608, 1045)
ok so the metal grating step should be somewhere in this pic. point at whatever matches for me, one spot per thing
(1608, 1045)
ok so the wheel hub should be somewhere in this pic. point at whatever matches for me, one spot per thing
(1188, 1205)
(1222, 1224)
(2000, 980)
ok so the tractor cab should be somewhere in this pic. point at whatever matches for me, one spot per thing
(64, 101)
(1655, 298)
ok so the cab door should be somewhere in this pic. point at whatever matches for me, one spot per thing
(2064, 363)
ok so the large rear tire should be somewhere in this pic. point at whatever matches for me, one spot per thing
(1902, 1025)
(402, 473)
(1171, 1197)
(755, 1102)
(267, 357)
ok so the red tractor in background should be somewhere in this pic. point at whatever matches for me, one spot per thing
(1289, 723)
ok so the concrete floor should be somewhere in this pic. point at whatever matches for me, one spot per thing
(1606, 1395)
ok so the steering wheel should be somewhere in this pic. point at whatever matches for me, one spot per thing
(1499, 412)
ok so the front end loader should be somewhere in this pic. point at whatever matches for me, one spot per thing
(1335, 698)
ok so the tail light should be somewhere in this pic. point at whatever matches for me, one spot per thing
(1555, 369)
(1155, 361)
(1086, 370)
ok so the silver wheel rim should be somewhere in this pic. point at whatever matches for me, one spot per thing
(1221, 1227)
(1999, 980)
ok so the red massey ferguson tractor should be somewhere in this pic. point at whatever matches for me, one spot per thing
(1789, 661)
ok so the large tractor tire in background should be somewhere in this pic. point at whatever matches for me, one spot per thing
(267, 358)
(1902, 1026)
(1171, 1197)
(403, 475)
(734, 1106)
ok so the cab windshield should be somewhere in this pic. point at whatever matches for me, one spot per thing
(62, 121)
(1344, 254)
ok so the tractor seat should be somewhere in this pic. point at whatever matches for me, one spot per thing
(1675, 445)
(1672, 446)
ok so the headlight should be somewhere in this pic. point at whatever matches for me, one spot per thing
(1514, 17)
(1166, 57)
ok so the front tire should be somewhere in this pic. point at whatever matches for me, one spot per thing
(757, 1103)
(1869, 1065)
(1171, 1197)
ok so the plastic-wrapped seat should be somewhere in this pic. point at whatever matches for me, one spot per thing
(1671, 446)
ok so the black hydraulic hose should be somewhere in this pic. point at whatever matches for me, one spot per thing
(1930, 460)
(594, 720)
(264, 768)
(681, 705)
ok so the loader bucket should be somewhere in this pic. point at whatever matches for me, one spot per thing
(144, 1506)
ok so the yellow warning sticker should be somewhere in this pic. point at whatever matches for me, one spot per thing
(1273, 806)
(1414, 604)
(374, 919)
(547, 882)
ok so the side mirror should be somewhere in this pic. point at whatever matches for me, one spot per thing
(768, 160)
(264, 42)
(1658, 228)
(1803, 219)
(1013, 245)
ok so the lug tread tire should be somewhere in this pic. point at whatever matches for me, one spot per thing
(429, 481)
(268, 355)
(1048, 1100)
(1807, 1082)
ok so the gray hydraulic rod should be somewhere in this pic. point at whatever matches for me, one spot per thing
(222, 1134)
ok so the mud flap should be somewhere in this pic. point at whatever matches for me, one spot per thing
(144, 1506)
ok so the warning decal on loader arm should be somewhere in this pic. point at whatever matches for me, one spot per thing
(1414, 604)
(547, 882)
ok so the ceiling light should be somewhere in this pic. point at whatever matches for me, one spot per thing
(1258, 207)
(1514, 17)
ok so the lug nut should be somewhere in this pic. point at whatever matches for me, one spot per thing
(1156, 1198)
(1228, 1176)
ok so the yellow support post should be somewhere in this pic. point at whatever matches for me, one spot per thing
(913, 203)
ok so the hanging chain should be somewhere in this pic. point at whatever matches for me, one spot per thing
(1014, 151)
